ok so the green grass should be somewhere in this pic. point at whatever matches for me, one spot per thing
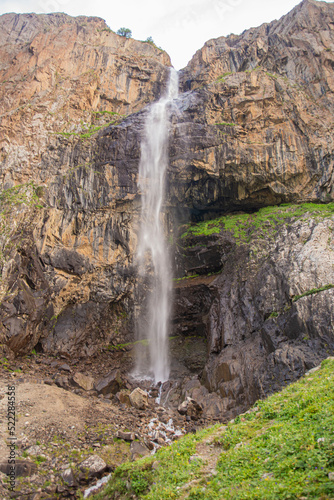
(265, 222)
(93, 129)
(185, 278)
(222, 77)
(226, 124)
(311, 292)
(282, 449)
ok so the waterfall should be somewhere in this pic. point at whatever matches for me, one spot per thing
(152, 253)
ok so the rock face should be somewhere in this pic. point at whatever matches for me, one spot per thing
(253, 128)
(271, 305)
(67, 241)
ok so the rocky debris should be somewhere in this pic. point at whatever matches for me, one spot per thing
(191, 408)
(83, 381)
(139, 399)
(93, 465)
(110, 384)
(35, 450)
(62, 427)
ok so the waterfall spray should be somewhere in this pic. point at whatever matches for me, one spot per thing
(152, 253)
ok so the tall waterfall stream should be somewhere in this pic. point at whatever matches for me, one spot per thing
(152, 253)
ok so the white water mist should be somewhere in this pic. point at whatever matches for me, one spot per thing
(152, 254)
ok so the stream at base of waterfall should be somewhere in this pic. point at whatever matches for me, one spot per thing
(154, 270)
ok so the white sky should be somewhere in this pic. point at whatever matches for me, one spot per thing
(179, 26)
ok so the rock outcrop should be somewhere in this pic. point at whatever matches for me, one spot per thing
(67, 242)
(270, 307)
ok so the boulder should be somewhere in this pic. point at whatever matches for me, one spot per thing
(83, 381)
(22, 468)
(191, 408)
(124, 398)
(68, 477)
(93, 465)
(138, 450)
(110, 384)
(139, 399)
(126, 436)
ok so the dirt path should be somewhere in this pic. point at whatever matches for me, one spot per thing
(208, 452)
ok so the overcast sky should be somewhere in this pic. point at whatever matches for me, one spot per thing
(178, 26)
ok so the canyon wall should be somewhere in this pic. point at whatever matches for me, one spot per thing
(253, 128)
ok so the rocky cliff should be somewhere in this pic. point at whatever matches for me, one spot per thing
(66, 245)
(251, 129)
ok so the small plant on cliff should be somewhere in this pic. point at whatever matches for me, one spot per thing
(124, 32)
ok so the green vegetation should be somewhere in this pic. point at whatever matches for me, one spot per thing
(282, 448)
(22, 194)
(274, 314)
(124, 32)
(186, 278)
(226, 124)
(311, 292)
(150, 40)
(221, 78)
(89, 130)
(271, 75)
(264, 223)
(106, 113)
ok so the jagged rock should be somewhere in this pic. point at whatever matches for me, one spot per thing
(68, 477)
(124, 398)
(22, 468)
(138, 450)
(83, 381)
(127, 436)
(94, 466)
(191, 408)
(110, 384)
(139, 399)
(259, 335)
(71, 278)
(62, 381)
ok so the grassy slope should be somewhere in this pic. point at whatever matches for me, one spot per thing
(287, 451)
(265, 221)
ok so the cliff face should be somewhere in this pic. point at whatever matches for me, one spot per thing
(263, 297)
(61, 75)
(252, 128)
(66, 242)
(260, 122)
